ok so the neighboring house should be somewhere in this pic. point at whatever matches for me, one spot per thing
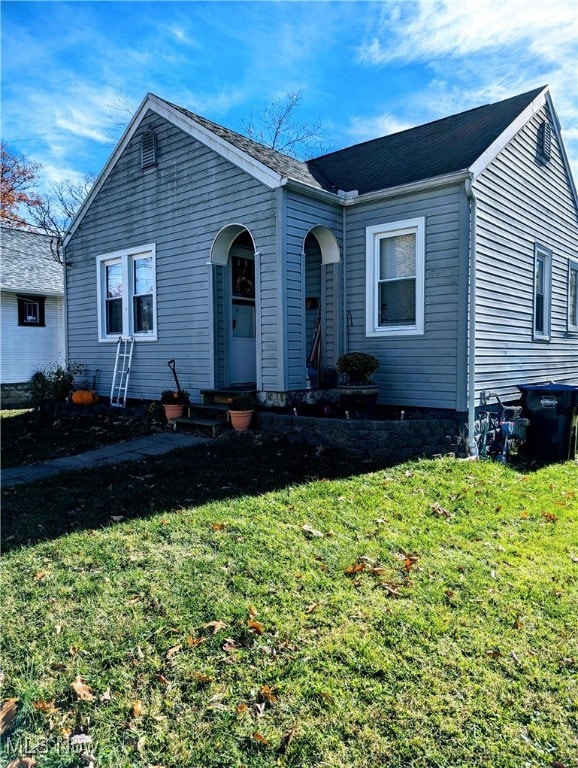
(449, 251)
(32, 306)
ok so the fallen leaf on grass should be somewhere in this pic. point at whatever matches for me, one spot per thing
(8, 712)
(310, 531)
(311, 608)
(549, 517)
(137, 708)
(356, 568)
(260, 738)
(173, 651)
(45, 706)
(216, 626)
(162, 679)
(267, 694)
(287, 739)
(438, 510)
(219, 526)
(106, 696)
(493, 653)
(193, 642)
(22, 762)
(82, 690)
(201, 678)
(255, 626)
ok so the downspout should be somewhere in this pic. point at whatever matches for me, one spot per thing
(471, 361)
(65, 304)
(343, 343)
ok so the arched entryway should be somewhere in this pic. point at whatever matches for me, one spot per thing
(321, 311)
(234, 289)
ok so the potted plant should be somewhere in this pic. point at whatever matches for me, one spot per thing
(358, 393)
(241, 409)
(174, 401)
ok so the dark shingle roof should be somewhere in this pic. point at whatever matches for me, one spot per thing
(27, 263)
(444, 146)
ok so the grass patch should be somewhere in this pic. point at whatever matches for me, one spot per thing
(262, 604)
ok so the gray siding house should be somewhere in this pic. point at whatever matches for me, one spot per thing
(449, 251)
(32, 310)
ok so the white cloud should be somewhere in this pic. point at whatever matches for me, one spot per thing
(430, 28)
(365, 128)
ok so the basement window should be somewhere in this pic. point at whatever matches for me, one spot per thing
(31, 310)
(148, 150)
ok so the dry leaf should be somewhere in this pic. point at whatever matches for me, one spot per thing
(219, 526)
(252, 611)
(82, 690)
(137, 708)
(377, 571)
(216, 626)
(193, 642)
(106, 696)
(311, 608)
(140, 744)
(310, 531)
(355, 568)
(241, 709)
(174, 650)
(287, 739)
(45, 706)
(8, 712)
(260, 738)
(255, 626)
(493, 653)
(267, 694)
(22, 762)
(162, 679)
(438, 510)
(201, 678)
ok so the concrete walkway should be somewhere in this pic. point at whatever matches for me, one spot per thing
(131, 450)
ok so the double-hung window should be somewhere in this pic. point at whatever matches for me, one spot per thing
(126, 283)
(395, 278)
(573, 296)
(542, 291)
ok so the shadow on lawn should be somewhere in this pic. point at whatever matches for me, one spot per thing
(234, 465)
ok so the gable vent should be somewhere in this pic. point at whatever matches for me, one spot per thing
(148, 150)
(545, 140)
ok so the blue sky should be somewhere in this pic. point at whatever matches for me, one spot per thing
(364, 68)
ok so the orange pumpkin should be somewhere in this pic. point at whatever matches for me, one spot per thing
(84, 397)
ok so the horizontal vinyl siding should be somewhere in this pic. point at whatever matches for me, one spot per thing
(27, 349)
(521, 202)
(414, 370)
(180, 206)
(302, 214)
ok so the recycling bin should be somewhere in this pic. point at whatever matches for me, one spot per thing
(553, 413)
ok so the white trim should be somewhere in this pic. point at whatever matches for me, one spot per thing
(541, 252)
(373, 237)
(125, 258)
(508, 134)
(572, 267)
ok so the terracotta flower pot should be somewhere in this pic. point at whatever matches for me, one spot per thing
(240, 420)
(173, 411)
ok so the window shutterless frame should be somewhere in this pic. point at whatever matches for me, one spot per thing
(542, 292)
(126, 294)
(395, 275)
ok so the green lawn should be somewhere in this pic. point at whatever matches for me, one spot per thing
(256, 603)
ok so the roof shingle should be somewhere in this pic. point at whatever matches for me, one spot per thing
(27, 263)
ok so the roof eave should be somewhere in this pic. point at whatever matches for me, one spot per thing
(447, 179)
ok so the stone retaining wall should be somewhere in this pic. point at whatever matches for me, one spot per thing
(392, 440)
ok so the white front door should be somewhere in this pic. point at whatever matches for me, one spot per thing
(242, 351)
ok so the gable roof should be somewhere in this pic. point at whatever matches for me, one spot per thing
(460, 144)
(28, 265)
(444, 146)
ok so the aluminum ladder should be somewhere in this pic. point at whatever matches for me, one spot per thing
(121, 373)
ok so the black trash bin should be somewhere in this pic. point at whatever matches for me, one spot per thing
(553, 413)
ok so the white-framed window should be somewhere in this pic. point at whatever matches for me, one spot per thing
(542, 291)
(573, 296)
(126, 294)
(395, 288)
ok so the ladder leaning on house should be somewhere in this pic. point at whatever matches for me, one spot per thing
(121, 373)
